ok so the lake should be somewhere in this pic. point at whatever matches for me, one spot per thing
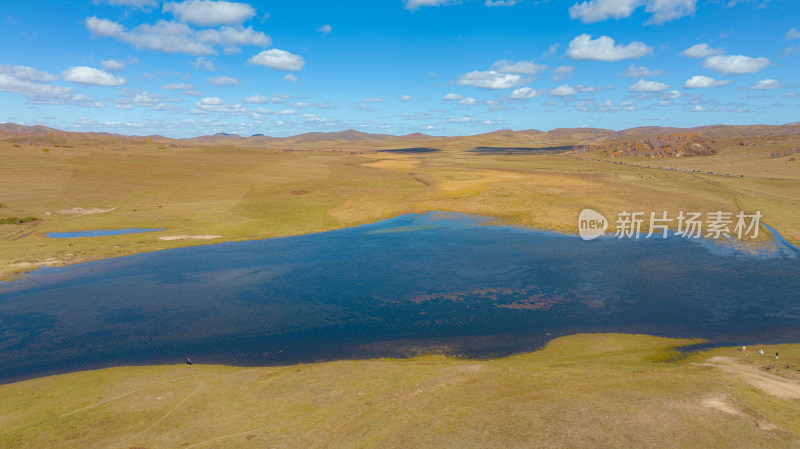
(433, 282)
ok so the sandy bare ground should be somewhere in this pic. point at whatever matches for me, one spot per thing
(185, 237)
(725, 404)
(772, 385)
(77, 211)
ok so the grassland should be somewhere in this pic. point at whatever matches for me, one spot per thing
(596, 390)
(580, 391)
(89, 182)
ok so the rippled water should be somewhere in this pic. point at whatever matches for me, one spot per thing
(416, 283)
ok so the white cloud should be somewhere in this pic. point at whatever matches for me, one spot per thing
(174, 37)
(405, 98)
(141, 4)
(648, 86)
(767, 84)
(604, 49)
(325, 29)
(491, 80)
(793, 34)
(701, 81)
(177, 86)
(501, 2)
(216, 104)
(520, 67)
(91, 76)
(453, 97)
(147, 99)
(468, 101)
(373, 100)
(112, 65)
(31, 83)
(413, 5)
(290, 78)
(699, 108)
(564, 90)
(598, 10)
(202, 63)
(287, 112)
(164, 107)
(640, 72)
(701, 51)
(524, 93)
(662, 10)
(561, 72)
(735, 64)
(24, 73)
(223, 81)
(260, 99)
(669, 10)
(210, 13)
(278, 60)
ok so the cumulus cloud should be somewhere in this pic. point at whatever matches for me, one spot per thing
(223, 81)
(604, 49)
(640, 72)
(113, 65)
(89, 76)
(141, 4)
(468, 101)
(501, 2)
(492, 80)
(524, 93)
(661, 10)
(174, 37)
(24, 73)
(793, 34)
(561, 72)
(177, 86)
(325, 29)
(32, 84)
(210, 13)
(453, 97)
(598, 10)
(260, 99)
(202, 63)
(701, 51)
(216, 104)
(564, 90)
(648, 86)
(767, 84)
(290, 78)
(735, 64)
(701, 81)
(278, 60)
(520, 67)
(405, 98)
(413, 5)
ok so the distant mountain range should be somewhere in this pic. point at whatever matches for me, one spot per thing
(506, 136)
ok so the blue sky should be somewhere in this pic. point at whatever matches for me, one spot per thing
(397, 66)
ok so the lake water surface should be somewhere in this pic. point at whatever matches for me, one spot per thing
(415, 283)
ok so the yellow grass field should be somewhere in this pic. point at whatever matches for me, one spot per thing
(592, 390)
(208, 193)
(610, 391)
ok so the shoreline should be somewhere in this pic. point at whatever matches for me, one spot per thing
(13, 271)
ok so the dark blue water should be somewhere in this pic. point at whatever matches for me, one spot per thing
(413, 284)
(99, 233)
